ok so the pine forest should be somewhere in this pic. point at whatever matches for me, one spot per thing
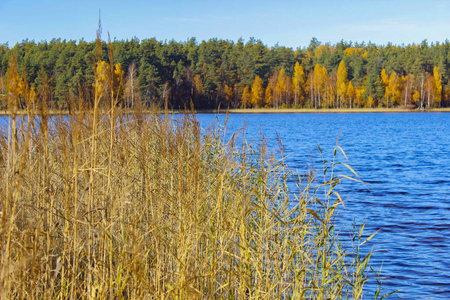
(243, 74)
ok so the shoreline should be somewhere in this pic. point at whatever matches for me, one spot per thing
(318, 111)
(267, 111)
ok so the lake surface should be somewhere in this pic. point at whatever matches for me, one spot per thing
(404, 160)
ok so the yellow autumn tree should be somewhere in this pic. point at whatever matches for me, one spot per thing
(342, 82)
(407, 81)
(437, 86)
(359, 96)
(370, 102)
(257, 92)
(228, 93)
(324, 78)
(298, 83)
(246, 96)
(271, 92)
(416, 97)
(394, 89)
(280, 88)
(268, 96)
(385, 81)
(318, 86)
(317, 80)
(330, 91)
(350, 94)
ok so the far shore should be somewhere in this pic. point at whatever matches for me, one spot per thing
(268, 111)
(321, 110)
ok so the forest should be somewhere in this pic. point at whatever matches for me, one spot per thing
(227, 74)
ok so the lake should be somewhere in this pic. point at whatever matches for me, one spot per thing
(404, 160)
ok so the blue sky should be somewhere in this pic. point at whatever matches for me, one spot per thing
(288, 23)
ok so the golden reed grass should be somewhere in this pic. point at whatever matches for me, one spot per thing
(107, 204)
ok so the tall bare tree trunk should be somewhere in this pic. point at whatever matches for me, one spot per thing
(421, 91)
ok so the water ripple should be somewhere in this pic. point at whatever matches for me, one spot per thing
(404, 161)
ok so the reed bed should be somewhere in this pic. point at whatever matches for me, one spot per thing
(107, 204)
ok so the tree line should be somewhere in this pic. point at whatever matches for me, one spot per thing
(223, 73)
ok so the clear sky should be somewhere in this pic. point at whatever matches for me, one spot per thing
(290, 23)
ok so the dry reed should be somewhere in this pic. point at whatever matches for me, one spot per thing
(107, 204)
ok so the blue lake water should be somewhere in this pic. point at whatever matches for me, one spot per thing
(404, 160)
